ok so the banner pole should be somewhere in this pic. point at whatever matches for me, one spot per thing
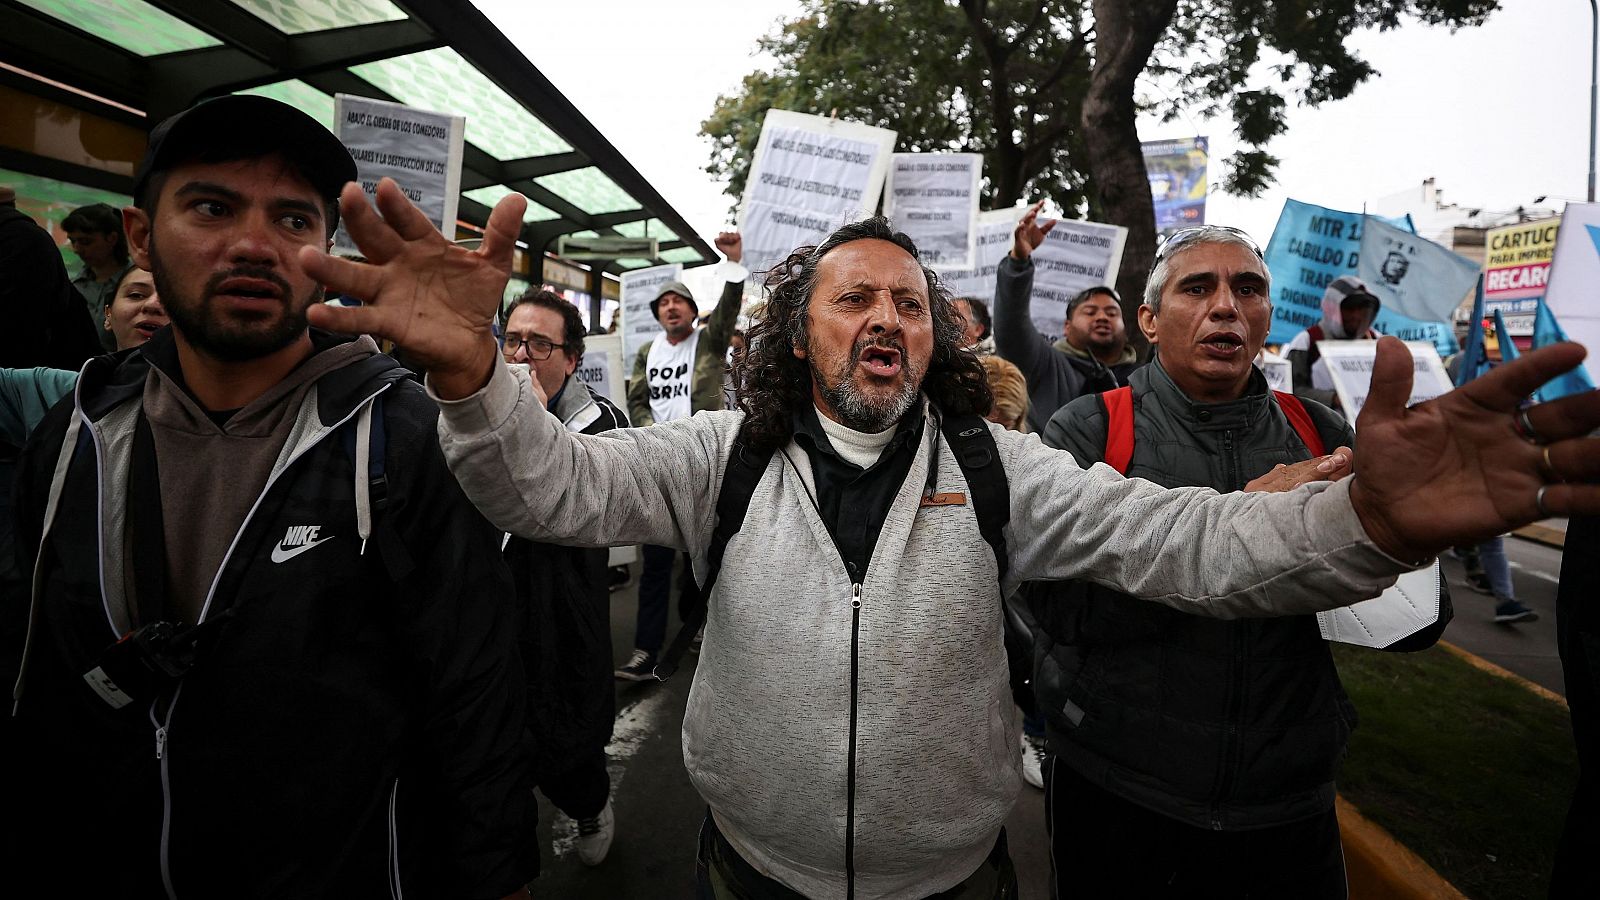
(1594, 64)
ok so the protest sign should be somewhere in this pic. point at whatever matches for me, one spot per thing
(1350, 365)
(1075, 255)
(1177, 173)
(1310, 247)
(1412, 275)
(1570, 291)
(993, 242)
(420, 150)
(1279, 372)
(601, 368)
(639, 327)
(933, 198)
(809, 175)
(1516, 265)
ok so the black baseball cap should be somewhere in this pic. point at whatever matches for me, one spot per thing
(243, 126)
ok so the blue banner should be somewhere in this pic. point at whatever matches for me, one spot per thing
(1547, 331)
(1310, 247)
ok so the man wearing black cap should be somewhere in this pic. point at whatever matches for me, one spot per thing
(1092, 354)
(269, 652)
(675, 376)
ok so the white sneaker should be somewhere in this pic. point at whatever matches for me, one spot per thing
(1033, 762)
(594, 836)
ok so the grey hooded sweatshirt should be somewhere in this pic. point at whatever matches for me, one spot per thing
(803, 671)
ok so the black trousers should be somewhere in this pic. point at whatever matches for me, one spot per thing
(1104, 846)
(580, 790)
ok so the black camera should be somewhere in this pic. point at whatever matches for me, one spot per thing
(147, 661)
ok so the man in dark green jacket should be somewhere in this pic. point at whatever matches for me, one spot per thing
(675, 376)
(1193, 755)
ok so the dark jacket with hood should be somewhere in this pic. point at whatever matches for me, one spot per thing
(1057, 373)
(564, 600)
(353, 725)
(1223, 724)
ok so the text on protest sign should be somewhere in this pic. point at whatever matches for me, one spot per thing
(993, 243)
(1350, 365)
(1516, 268)
(933, 198)
(601, 368)
(1310, 247)
(419, 149)
(1075, 255)
(809, 175)
(639, 288)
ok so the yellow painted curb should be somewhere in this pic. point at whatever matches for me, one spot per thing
(1479, 662)
(1378, 866)
(1543, 534)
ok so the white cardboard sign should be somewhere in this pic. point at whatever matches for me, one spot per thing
(1349, 363)
(419, 149)
(933, 198)
(601, 368)
(993, 242)
(639, 327)
(1075, 255)
(809, 175)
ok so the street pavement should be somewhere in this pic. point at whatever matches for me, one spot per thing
(658, 813)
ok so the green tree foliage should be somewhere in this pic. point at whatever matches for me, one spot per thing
(1007, 78)
(1004, 84)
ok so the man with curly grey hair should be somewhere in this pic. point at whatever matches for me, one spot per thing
(850, 724)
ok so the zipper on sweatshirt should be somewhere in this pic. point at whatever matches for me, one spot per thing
(164, 724)
(850, 774)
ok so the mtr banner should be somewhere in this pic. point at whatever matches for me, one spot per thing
(1310, 247)
(810, 174)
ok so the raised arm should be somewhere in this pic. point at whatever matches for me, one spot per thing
(719, 330)
(1015, 338)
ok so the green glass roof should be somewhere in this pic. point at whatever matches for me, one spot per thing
(681, 255)
(491, 195)
(442, 81)
(300, 16)
(636, 263)
(589, 190)
(301, 96)
(648, 228)
(133, 25)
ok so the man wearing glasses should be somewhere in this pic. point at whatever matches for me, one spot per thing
(563, 594)
(1092, 354)
(675, 376)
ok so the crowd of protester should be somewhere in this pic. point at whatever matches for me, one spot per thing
(283, 619)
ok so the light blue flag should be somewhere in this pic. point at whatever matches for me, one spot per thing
(1547, 331)
(1474, 358)
(1412, 275)
(1313, 245)
(1502, 337)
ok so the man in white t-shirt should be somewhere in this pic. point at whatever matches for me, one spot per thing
(675, 376)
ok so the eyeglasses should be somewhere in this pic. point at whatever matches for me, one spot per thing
(537, 349)
(1177, 239)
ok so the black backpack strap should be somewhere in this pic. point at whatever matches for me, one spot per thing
(979, 458)
(739, 479)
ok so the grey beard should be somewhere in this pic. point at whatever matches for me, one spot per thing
(861, 412)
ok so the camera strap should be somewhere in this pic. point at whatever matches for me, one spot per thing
(148, 540)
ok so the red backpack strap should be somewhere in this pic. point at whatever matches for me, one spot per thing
(1315, 334)
(1301, 420)
(1119, 427)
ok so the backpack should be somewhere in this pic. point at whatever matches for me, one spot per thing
(1118, 405)
(975, 451)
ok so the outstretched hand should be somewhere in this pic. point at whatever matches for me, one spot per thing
(1458, 469)
(1288, 476)
(432, 297)
(1029, 234)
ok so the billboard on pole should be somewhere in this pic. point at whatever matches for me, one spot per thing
(1177, 171)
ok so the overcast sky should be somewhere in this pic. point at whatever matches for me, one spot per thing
(1498, 115)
